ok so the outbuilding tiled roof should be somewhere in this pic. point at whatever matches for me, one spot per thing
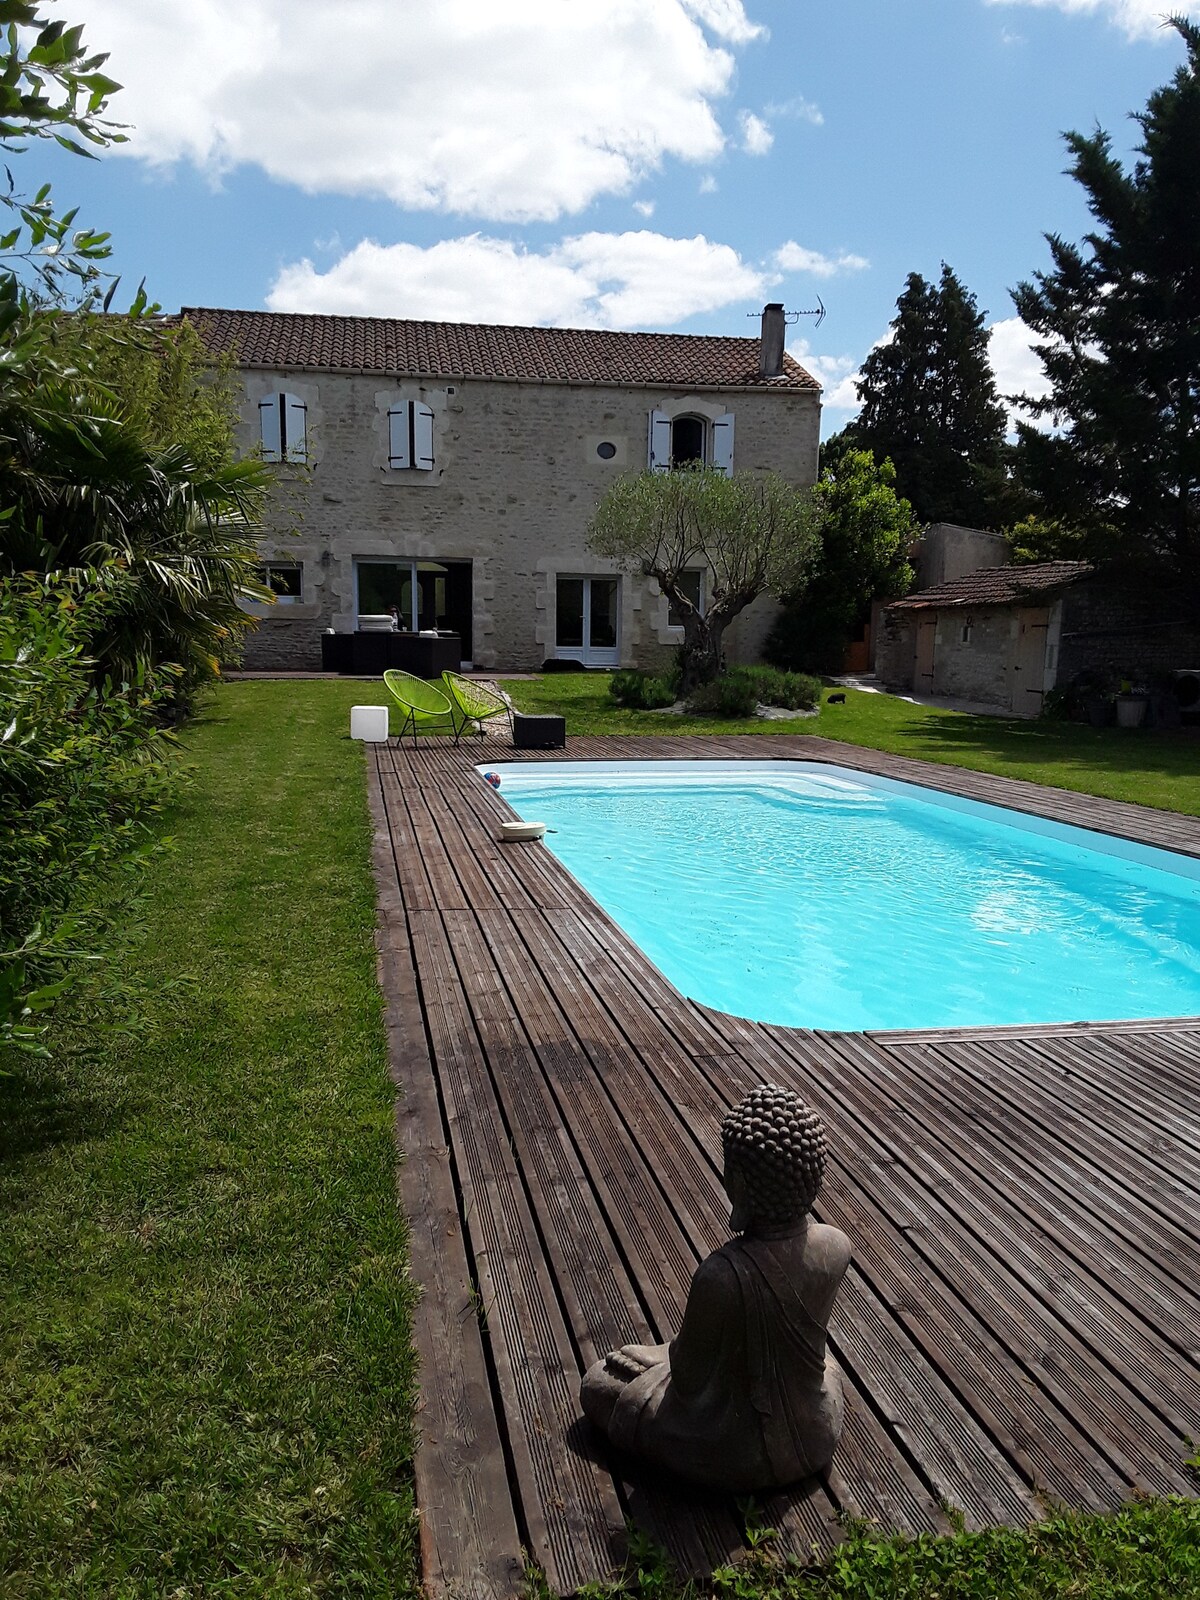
(401, 348)
(998, 586)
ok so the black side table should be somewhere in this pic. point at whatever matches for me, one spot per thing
(538, 733)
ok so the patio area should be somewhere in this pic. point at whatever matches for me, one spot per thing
(1020, 1326)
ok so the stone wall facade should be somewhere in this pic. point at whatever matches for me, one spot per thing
(1104, 632)
(896, 648)
(973, 656)
(946, 551)
(519, 468)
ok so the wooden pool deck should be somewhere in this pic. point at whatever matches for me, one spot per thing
(1021, 1325)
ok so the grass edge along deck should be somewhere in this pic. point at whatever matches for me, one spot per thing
(1005, 1345)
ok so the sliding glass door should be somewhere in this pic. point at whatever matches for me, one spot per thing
(421, 594)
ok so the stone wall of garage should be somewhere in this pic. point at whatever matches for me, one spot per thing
(1106, 632)
(518, 471)
(979, 667)
(895, 648)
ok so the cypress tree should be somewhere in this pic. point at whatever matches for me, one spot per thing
(1118, 319)
(929, 404)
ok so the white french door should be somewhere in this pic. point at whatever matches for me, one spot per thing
(587, 617)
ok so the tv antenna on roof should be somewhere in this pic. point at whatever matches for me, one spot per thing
(818, 311)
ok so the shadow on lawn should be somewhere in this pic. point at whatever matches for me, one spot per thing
(40, 1110)
(1173, 753)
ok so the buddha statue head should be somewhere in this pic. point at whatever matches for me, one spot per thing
(774, 1147)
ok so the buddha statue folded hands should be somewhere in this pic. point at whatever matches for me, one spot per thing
(745, 1397)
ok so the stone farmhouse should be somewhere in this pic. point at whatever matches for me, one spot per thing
(447, 472)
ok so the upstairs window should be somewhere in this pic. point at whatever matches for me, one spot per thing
(410, 437)
(682, 441)
(283, 421)
(689, 441)
(691, 581)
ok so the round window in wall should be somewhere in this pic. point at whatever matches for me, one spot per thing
(606, 451)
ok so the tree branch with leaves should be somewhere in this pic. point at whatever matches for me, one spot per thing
(51, 88)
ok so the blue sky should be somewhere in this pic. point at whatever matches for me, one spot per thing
(612, 163)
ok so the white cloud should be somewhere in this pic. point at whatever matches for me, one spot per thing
(793, 257)
(512, 112)
(757, 137)
(1139, 18)
(708, 184)
(727, 19)
(837, 374)
(1017, 369)
(603, 280)
(644, 208)
(800, 108)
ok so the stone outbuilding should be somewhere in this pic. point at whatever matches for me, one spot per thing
(446, 473)
(1006, 636)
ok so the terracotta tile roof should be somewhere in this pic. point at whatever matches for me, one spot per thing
(998, 586)
(479, 350)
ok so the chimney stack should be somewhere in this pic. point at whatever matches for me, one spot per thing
(770, 350)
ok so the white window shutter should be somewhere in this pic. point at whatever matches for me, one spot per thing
(422, 437)
(269, 425)
(659, 448)
(295, 427)
(399, 438)
(722, 444)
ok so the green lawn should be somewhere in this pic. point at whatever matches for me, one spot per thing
(205, 1365)
(1155, 769)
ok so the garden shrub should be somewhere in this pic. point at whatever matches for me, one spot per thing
(83, 778)
(727, 696)
(641, 691)
(797, 691)
(739, 691)
(626, 688)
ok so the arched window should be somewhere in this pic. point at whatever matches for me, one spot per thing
(689, 440)
(683, 440)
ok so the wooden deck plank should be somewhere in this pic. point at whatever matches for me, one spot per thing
(1019, 1320)
(470, 1543)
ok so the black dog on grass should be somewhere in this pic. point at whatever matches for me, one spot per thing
(836, 700)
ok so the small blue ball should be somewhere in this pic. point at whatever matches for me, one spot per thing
(493, 778)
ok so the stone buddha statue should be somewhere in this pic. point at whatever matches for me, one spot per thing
(745, 1397)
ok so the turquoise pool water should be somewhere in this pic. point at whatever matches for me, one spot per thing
(819, 897)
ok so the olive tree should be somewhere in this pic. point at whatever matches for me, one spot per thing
(752, 535)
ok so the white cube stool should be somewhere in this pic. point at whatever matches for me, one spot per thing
(369, 722)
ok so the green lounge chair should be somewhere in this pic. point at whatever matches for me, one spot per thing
(474, 702)
(424, 704)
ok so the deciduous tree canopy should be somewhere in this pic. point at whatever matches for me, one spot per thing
(752, 536)
(866, 533)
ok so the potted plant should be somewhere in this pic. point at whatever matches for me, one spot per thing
(1132, 700)
(1092, 699)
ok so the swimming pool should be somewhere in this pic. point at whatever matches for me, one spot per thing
(819, 897)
